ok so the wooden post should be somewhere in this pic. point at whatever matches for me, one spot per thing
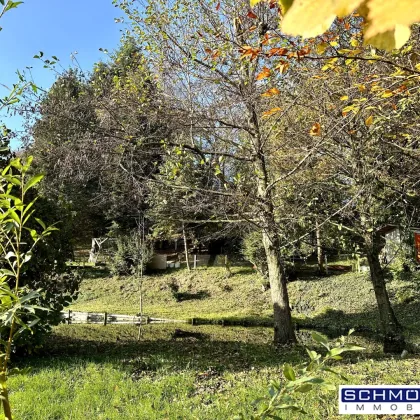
(321, 269)
(69, 318)
(185, 246)
(326, 264)
(105, 318)
(195, 261)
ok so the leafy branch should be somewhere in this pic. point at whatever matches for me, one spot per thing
(17, 308)
(303, 379)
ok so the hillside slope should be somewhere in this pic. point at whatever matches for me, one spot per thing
(344, 300)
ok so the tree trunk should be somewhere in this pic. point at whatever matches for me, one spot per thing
(284, 332)
(319, 253)
(186, 247)
(4, 395)
(92, 253)
(283, 327)
(393, 338)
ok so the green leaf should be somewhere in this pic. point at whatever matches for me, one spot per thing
(304, 388)
(9, 255)
(41, 223)
(316, 381)
(26, 257)
(32, 182)
(313, 354)
(302, 380)
(289, 373)
(12, 5)
(12, 179)
(327, 369)
(6, 272)
(28, 207)
(319, 338)
(33, 233)
(336, 351)
(291, 407)
(13, 215)
(16, 163)
(31, 295)
(28, 217)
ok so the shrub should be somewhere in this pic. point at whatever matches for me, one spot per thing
(253, 251)
(46, 270)
(402, 265)
(18, 313)
(132, 253)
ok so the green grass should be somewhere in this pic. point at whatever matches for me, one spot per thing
(338, 301)
(101, 372)
(92, 371)
(120, 295)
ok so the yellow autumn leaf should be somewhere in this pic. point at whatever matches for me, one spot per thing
(389, 40)
(285, 5)
(282, 66)
(387, 94)
(310, 18)
(369, 121)
(315, 130)
(344, 98)
(387, 21)
(320, 48)
(354, 42)
(271, 92)
(265, 72)
(344, 8)
(385, 15)
(271, 111)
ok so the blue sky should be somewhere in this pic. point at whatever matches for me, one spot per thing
(59, 28)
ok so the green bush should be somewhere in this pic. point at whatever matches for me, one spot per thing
(253, 251)
(131, 253)
(46, 270)
(403, 267)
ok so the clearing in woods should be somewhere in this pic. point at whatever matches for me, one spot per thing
(103, 372)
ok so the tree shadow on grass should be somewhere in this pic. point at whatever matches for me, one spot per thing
(183, 296)
(311, 273)
(366, 323)
(233, 349)
(88, 272)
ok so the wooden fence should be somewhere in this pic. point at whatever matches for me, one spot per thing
(105, 318)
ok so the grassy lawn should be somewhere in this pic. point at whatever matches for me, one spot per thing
(92, 371)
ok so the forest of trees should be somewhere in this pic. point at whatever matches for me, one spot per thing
(215, 116)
